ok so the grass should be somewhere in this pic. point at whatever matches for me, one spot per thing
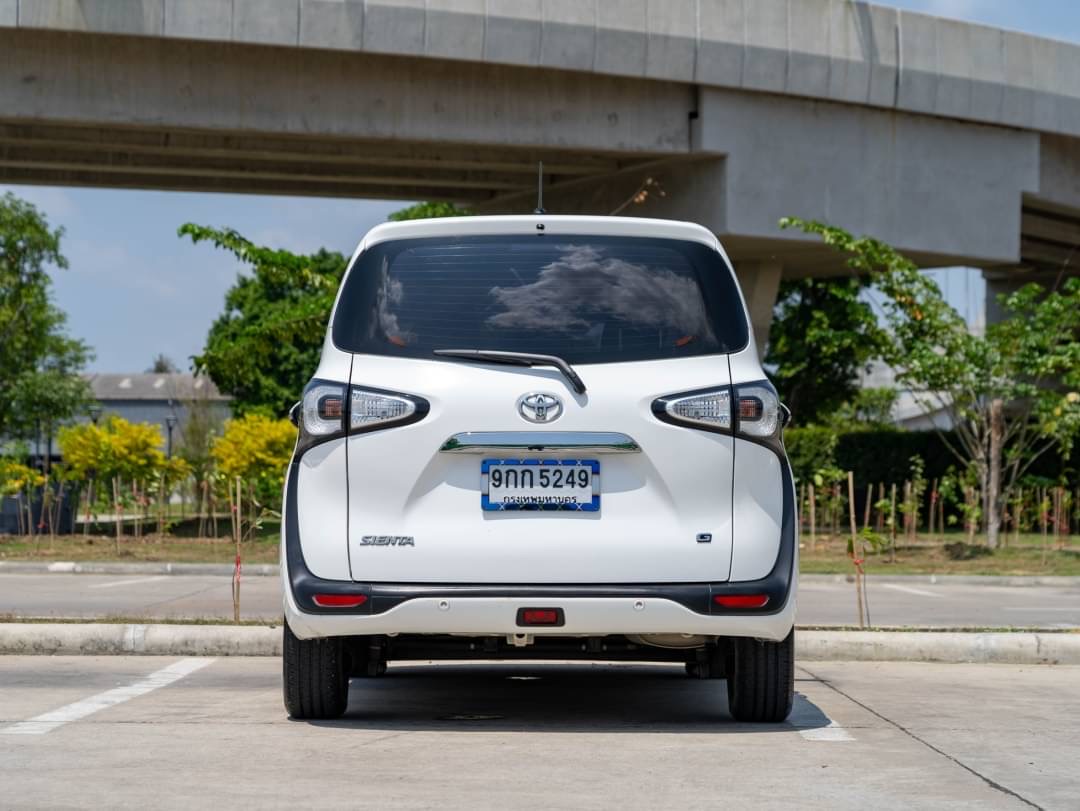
(1023, 557)
(150, 548)
(829, 555)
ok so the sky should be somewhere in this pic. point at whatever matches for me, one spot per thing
(135, 290)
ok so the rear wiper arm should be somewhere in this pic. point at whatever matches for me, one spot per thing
(519, 359)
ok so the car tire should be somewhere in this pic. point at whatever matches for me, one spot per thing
(316, 680)
(761, 680)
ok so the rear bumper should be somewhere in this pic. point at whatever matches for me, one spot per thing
(492, 609)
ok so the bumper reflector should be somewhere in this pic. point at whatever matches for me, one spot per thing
(339, 600)
(741, 600)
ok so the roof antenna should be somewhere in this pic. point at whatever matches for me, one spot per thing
(540, 190)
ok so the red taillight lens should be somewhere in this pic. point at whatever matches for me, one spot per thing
(339, 600)
(741, 600)
(540, 616)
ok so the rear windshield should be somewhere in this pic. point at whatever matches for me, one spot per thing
(586, 299)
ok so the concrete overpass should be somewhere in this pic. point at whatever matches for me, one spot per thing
(959, 143)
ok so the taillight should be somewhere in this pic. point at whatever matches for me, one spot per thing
(368, 409)
(330, 410)
(759, 410)
(324, 406)
(712, 409)
(751, 410)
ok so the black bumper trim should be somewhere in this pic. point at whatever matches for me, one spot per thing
(697, 597)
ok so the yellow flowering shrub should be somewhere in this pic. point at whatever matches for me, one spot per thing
(257, 449)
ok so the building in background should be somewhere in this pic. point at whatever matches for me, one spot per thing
(162, 399)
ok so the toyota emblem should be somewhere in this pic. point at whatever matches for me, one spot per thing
(539, 406)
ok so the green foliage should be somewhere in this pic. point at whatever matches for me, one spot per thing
(256, 449)
(821, 336)
(1027, 365)
(868, 408)
(424, 211)
(264, 347)
(39, 364)
(809, 449)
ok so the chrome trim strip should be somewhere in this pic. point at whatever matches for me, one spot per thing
(577, 441)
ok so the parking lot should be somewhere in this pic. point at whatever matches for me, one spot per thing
(161, 732)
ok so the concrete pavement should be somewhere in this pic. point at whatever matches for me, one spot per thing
(159, 732)
(821, 601)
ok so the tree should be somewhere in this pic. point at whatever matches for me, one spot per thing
(424, 211)
(39, 364)
(162, 365)
(264, 347)
(824, 331)
(1012, 394)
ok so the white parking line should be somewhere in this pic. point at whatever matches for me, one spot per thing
(49, 721)
(127, 582)
(833, 732)
(908, 590)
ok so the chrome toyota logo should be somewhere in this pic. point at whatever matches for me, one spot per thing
(539, 406)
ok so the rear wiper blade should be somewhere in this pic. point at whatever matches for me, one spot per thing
(519, 359)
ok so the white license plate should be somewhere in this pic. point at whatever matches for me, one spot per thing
(540, 484)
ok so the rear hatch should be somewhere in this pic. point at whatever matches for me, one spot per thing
(638, 318)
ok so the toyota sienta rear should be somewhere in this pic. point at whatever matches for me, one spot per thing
(539, 437)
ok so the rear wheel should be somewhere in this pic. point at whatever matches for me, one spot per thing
(316, 680)
(761, 680)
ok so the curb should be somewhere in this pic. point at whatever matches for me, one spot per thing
(949, 579)
(954, 648)
(99, 639)
(91, 567)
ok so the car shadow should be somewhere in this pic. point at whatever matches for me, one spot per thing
(551, 697)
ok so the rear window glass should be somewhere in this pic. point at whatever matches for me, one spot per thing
(586, 299)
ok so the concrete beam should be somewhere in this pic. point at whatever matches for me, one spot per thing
(830, 50)
(922, 183)
(120, 81)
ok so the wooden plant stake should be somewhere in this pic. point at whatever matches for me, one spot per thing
(892, 525)
(869, 504)
(880, 524)
(856, 549)
(931, 503)
(237, 507)
(118, 510)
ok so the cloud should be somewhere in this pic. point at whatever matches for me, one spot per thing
(570, 290)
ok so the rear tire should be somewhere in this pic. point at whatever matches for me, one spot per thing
(316, 681)
(761, 680)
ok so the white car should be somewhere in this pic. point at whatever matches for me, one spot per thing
(539, 437)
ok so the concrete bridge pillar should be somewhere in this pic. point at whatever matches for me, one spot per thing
(760, 282)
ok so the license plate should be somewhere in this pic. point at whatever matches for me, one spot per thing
(540, 484)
